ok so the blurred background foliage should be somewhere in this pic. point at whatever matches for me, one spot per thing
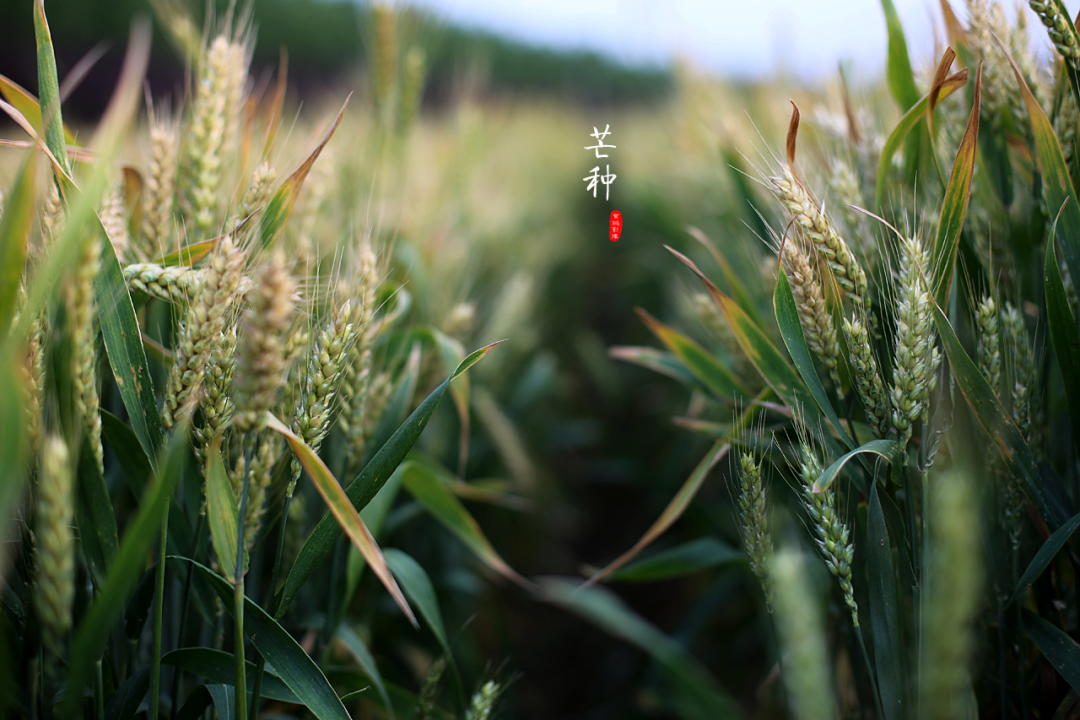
(326, 41)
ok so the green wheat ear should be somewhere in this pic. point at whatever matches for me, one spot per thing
(54, 518)
(754, 522)
(802, 634)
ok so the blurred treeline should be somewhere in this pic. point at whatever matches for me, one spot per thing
(327, 43)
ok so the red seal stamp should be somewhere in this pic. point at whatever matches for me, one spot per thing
(615, 227)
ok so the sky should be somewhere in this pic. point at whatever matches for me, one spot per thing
(744, 38)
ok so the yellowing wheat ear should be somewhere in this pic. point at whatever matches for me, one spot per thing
(260, 368)
(817, 323)
(202, 324)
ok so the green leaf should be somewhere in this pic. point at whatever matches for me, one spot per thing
(787, 318)
(721, 382)
(675, 508)
(418, 586)
(898, 68)
(425, 484)
(133, 460)
(1058, 648)
(196, 704)
(138, 608)
(1065, 337)
(770, 364)
(699, 696)
(49, 88)
(955, 203)
(686, 559)
(13, 440)
(890, 450)
(280, 206)
(997, 422)
(126, 569)
(94, 515)
(125, 702)
(343, 511)
(1042, 558)
(658, 361)
(402, 398)
(370, 480)
(884, 621)
(1056, 182)
(910, 119)
(190, 254)
(296, 669)
(220, 667)
(735, 284)
(360, 652)
(224, 697)
(123, 343)
(15, 226)
(25, 102)
(420, 590)
(222, 509)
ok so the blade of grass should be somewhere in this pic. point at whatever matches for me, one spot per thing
(734, 282)
(955, 203)
(360, 652)
(221, 509)
(125, 702)
(686, 559)
(771, 365)
(95, 516)
(1042, 558)
(49, 88)
(1056, 182)
(890, 450)
(429, 490)
(347, 516)
(296, 669)
(658, 361)
(898, 71)
(280, 206)
(219, 667)
(700, 698)
(787, 318)
(123, 344)
(370, 480)
(673, 511)
(418, 586)
(997, 422)
(224, 697)
(15, 226)
(1057, 647)
(25, 102)
(721, 382)
(906, 123)
(1064, 335)
(93, 631)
